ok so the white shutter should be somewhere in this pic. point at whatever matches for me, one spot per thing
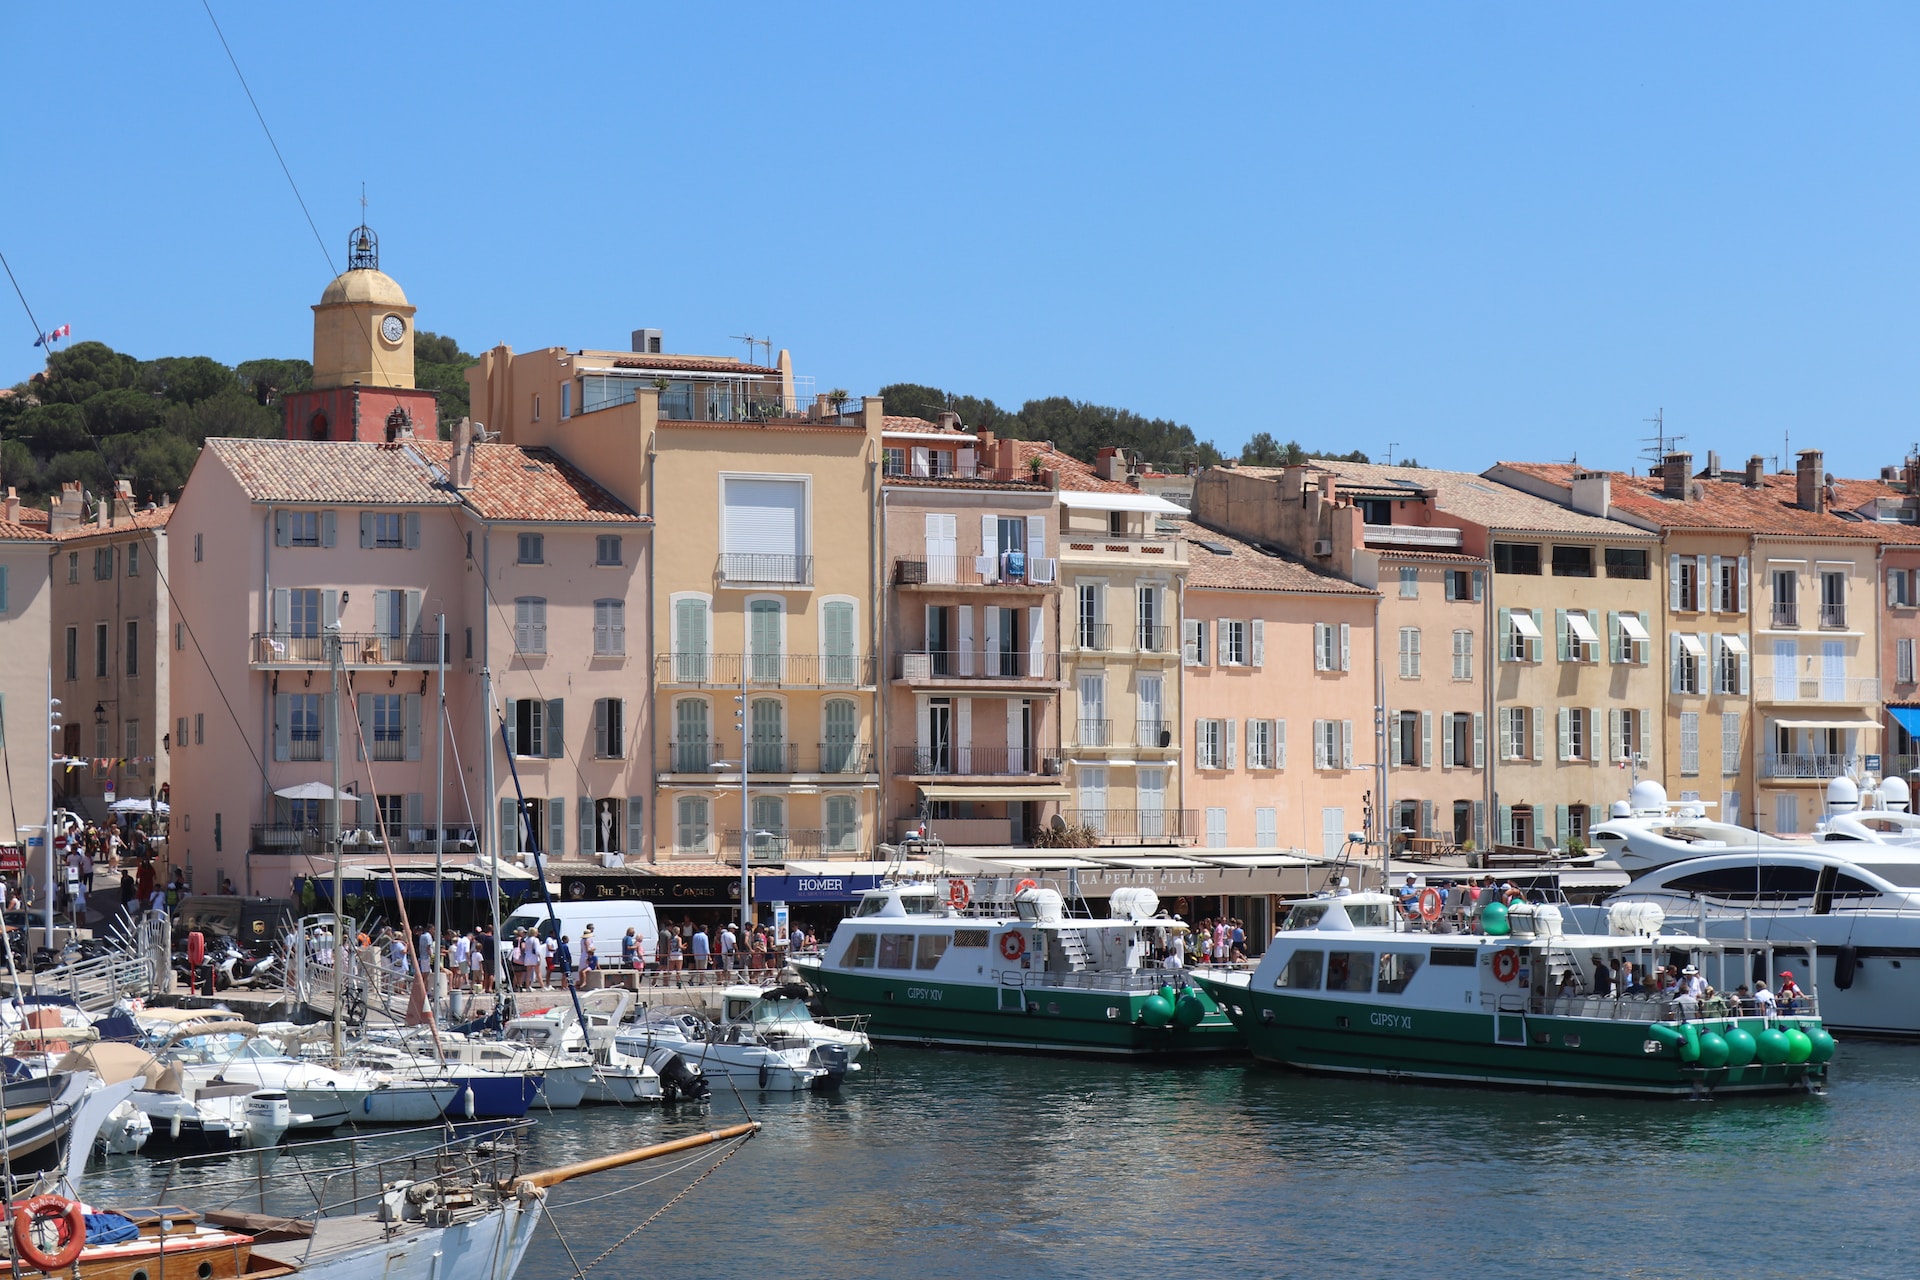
(1645, 745)
(1713, 599)
(329, 607)
(1616, 733)
(1233, 754)
(1539, 733)
(1258, 629)
(1193, 642)
(1480, 824)
(1426, 819)
(1279, 744)
(1221, 648)
(963, 631)
(1321, 646)
(989, 547)
(410, 707)
(1036, 644)
(1743, 584)
(1036, 543)
(1903, 660)
(1565, 725)
(1479, 740)
(1319, 744)
(764, 517)
(1393, 736)
(1444, 748)
(1673, 583)
(1346, 646)
(922, 726)
(1597, 731)
(963, 735)
(328, 530)
(1346, 739)
(1503, 722)
(382, 612)
(1699, 583)
(1426, 740)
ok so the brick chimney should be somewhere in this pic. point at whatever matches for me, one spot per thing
(1810, 474)
(1911, 474)
(1756, 471)
(1675, 471)
(13, 505)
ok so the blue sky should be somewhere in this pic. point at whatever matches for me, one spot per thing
(1476, 231)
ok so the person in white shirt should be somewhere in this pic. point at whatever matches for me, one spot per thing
(1763, 998)
(552, 962)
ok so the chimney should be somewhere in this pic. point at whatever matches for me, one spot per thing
(646, 342)
(462, 459)
(1676, 470)
(13, 505)
(1713, 465)
(1911, 474)
(123, 499)
(1756, 471)
(69, 511)
(1809, 473)
(947, 420)
(1592, 493)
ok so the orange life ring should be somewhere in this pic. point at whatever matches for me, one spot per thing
(1013, 945)
(1025, 885)
(1506, 964)
(1429, 903)
(958, 895)
(73, 1231)
(196, 948)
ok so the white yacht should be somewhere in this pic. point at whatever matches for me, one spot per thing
(1647, 830)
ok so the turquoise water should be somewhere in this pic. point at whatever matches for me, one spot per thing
(951, 1164)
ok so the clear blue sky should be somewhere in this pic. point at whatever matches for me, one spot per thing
(1481, 231)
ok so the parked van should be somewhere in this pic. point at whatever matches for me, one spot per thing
(610, 921)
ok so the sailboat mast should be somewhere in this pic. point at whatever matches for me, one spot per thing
(339, 872)
(440, 815)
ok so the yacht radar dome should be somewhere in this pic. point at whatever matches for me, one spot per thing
(1648, 797)
(1843, 796)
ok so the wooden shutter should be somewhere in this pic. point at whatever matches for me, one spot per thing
(557, 826)
(410, 712)
(636, 824)
(1346, 739)
(1426, 740)
(556, 743)
(328, 531)
(1479, 740)
(1539, 733)
(1346, 646)
(282, 727)
(1257, 630)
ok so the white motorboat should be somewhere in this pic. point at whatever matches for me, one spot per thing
(783, 1011)
(320, 1097)
(1647, 830)
(745, 1054)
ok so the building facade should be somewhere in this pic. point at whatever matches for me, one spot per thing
(26, 619)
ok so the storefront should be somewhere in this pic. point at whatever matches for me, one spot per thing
(675, 898)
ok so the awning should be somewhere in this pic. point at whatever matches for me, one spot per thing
(988, 791)
(1523, 623)
(1083, 500)
(1578, 624)
(1630, 624)
(1909, 718)
(1691, 643)
(1734, 644)
(312, 791)
(1828, 724)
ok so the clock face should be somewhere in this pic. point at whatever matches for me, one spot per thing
(393, 328)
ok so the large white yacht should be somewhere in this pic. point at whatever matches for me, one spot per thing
(1647, 830)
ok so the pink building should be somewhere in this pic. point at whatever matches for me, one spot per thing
(1278, 686)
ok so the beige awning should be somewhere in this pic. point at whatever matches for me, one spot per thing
(1523, 623)
(1000, 791)
(1691, 643)
(1828, 724)
(1578, 624)
(1735, 644)
(1630, 623)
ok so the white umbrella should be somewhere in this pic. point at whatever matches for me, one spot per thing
(131, 805)
(313, 791)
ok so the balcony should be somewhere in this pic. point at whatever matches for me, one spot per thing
(280, 649)
(1094, 733)
(788, 670)
(1138, 826)
(1121, 548)
(1413, 536)
(1898, 766)
(305, 748)
(939, 666)
(1807, 766)
(1155, 735)
(948, 761)
(386, 748)
(692, 757)
(307, 838)
(1786, 615)
(841, 758)
(1770, 685)
(1833, 616)
(1094, 637)
(1151, 639)
(946, 466)
(946, 571)
(768, 847)
(749, 569)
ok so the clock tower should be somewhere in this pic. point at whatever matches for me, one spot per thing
(362, 359)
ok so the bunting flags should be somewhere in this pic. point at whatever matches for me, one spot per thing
(53, 335)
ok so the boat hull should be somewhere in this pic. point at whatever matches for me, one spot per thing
(495, 1097)
(406, 1104)
(1022, 1019)
(1520, 1050)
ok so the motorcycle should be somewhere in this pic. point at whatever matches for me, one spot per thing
(230, 964)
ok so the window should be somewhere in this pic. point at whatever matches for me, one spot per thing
(1900, 588)
(1409, 653)
(1463, 655)
(1902, 660)
(1786, 815)
(1146, 615)
(1572, 562)
(1409, 584)
(1301, 972)
(768, 747)
(609, 728)
(73, 566)
(530, 624)
(691, 825)
(1332, 647)
(1728, 573)
(1730, 665)
(893, 461)
(1575, 737)
(1786, 583)
(380, 720)
(196, 548)
(843, 835)
(1233, 643)
(1520, 637)
(606, 549)
(1260, 740)
(468, 652)
(303, 612)
(536, 408)
(1210, 743)
(1404, 738)
(100, 643)
(533, 548)
(1833, 599)
(1333, 745)
(609, 628)
(1089, 614)
(691, 662)
(1462, 584)
(1216, 828)
(180, 737)
(1729, 749)
(387, 529)
(566, 400)
(133, 560)
(1516, 733)
(1629, 733)
(1686, 652)
(1626, 562)
(303, 528)
(764, 531)
(1396, 971)
(766, 648)
(837, 645)
(1516, 557)
(303, 726)
(133, 648)
(1193, 642)
(1349, 970)
(73, 653)
(1466, 740)
(1686, 584)
(1578, 640)
(102, 563)
(1266, 828)
(199, 728)
(529, 726)
(1690, 743)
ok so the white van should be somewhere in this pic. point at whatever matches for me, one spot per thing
(610, 921)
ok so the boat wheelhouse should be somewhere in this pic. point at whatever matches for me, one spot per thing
(1346, 987)
(994, 966)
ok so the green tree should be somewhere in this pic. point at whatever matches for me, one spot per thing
(123, 411)
(267, 380)
(441, 366)
(233, 412)
(1262, 451)
(84, 370)
(186, 379)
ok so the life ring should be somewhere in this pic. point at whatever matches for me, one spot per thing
(958, 895)
(1025, 885)
(1506, 964)
(72, 1226)
(1429, 903)
(196, 948)
(1013, 945)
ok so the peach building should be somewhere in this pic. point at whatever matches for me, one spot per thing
(1278, 694)
(113, 642)
(26, 619)
(763, 588)
(972, 615)
(1894, 500)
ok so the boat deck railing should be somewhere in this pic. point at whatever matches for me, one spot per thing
(1655, 1008)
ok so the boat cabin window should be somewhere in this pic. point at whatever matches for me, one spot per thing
(1396, 971)
(1305, 915)
(1453, 957)
(1349, 970)
(784, 1009)
(1904, 874)
(1302, 971)
(1846, 886)
(1370, 915)
(872, 905)
(932, 947)
(896, 951)
(860, 950)
(920, 904)
(1609, 838)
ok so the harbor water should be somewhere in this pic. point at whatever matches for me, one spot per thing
(969, 1165)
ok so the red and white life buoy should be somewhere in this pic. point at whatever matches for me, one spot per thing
(70, 1221)
(1013, 945)
(958, 895)
(1506, 964)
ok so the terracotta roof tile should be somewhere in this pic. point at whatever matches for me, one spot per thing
(11, 532)
(515, 483)
(342, 471)
(1074, 474)
(1247, 568)
(1731, 505)
(154, 519)
(1451, 557)
(701, 364)
(965, 482)
(1484, 502)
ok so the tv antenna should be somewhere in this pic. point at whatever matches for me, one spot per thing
(1391, 446)
(1659, 444)
(754, 344)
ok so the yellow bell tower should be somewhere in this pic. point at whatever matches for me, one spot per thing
(363, 324)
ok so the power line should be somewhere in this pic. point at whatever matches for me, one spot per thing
(18, 291)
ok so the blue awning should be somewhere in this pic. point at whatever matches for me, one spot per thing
(1909, 718)
(818, 888)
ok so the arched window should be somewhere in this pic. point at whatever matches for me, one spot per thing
(317, 426)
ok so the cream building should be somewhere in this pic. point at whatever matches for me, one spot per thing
(26, 619)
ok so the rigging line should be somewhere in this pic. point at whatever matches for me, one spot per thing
(37, 331)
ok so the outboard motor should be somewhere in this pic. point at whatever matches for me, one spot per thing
(678, 1077)
(269, 1115)
(834, 1059)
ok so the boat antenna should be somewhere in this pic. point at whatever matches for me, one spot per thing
(567, 962)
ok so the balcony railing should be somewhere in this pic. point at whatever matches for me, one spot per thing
(772, 846)
(1160, 549)
(1833, 615)
(1150, 639)
(310, 838)
(968, 664)
(1138, 826)
(305, 749)
(975, 762)
(691, 757)
(1153, 733)
(1095, 637)
(940, 466)
(1094, 733)
(752, 569)
(1898, 766)
(1800, 686)
(1786, 613)
(771, 757)
(387, 748)
(844, 757)
(723, 670)
(1811, 765)
(972, 571)
(279, 648)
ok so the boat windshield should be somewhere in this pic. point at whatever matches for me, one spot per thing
(785, 1009)
(259, 1049)
(1305, 915)
(1906, 875)
(1370, 915)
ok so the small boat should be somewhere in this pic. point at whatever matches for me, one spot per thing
(38, 1113)
(1347, 988)
(742, 1054)
(783, 1010)
(982, 969)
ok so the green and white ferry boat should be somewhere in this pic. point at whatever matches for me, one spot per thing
(1349, 986)
(969, 968)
